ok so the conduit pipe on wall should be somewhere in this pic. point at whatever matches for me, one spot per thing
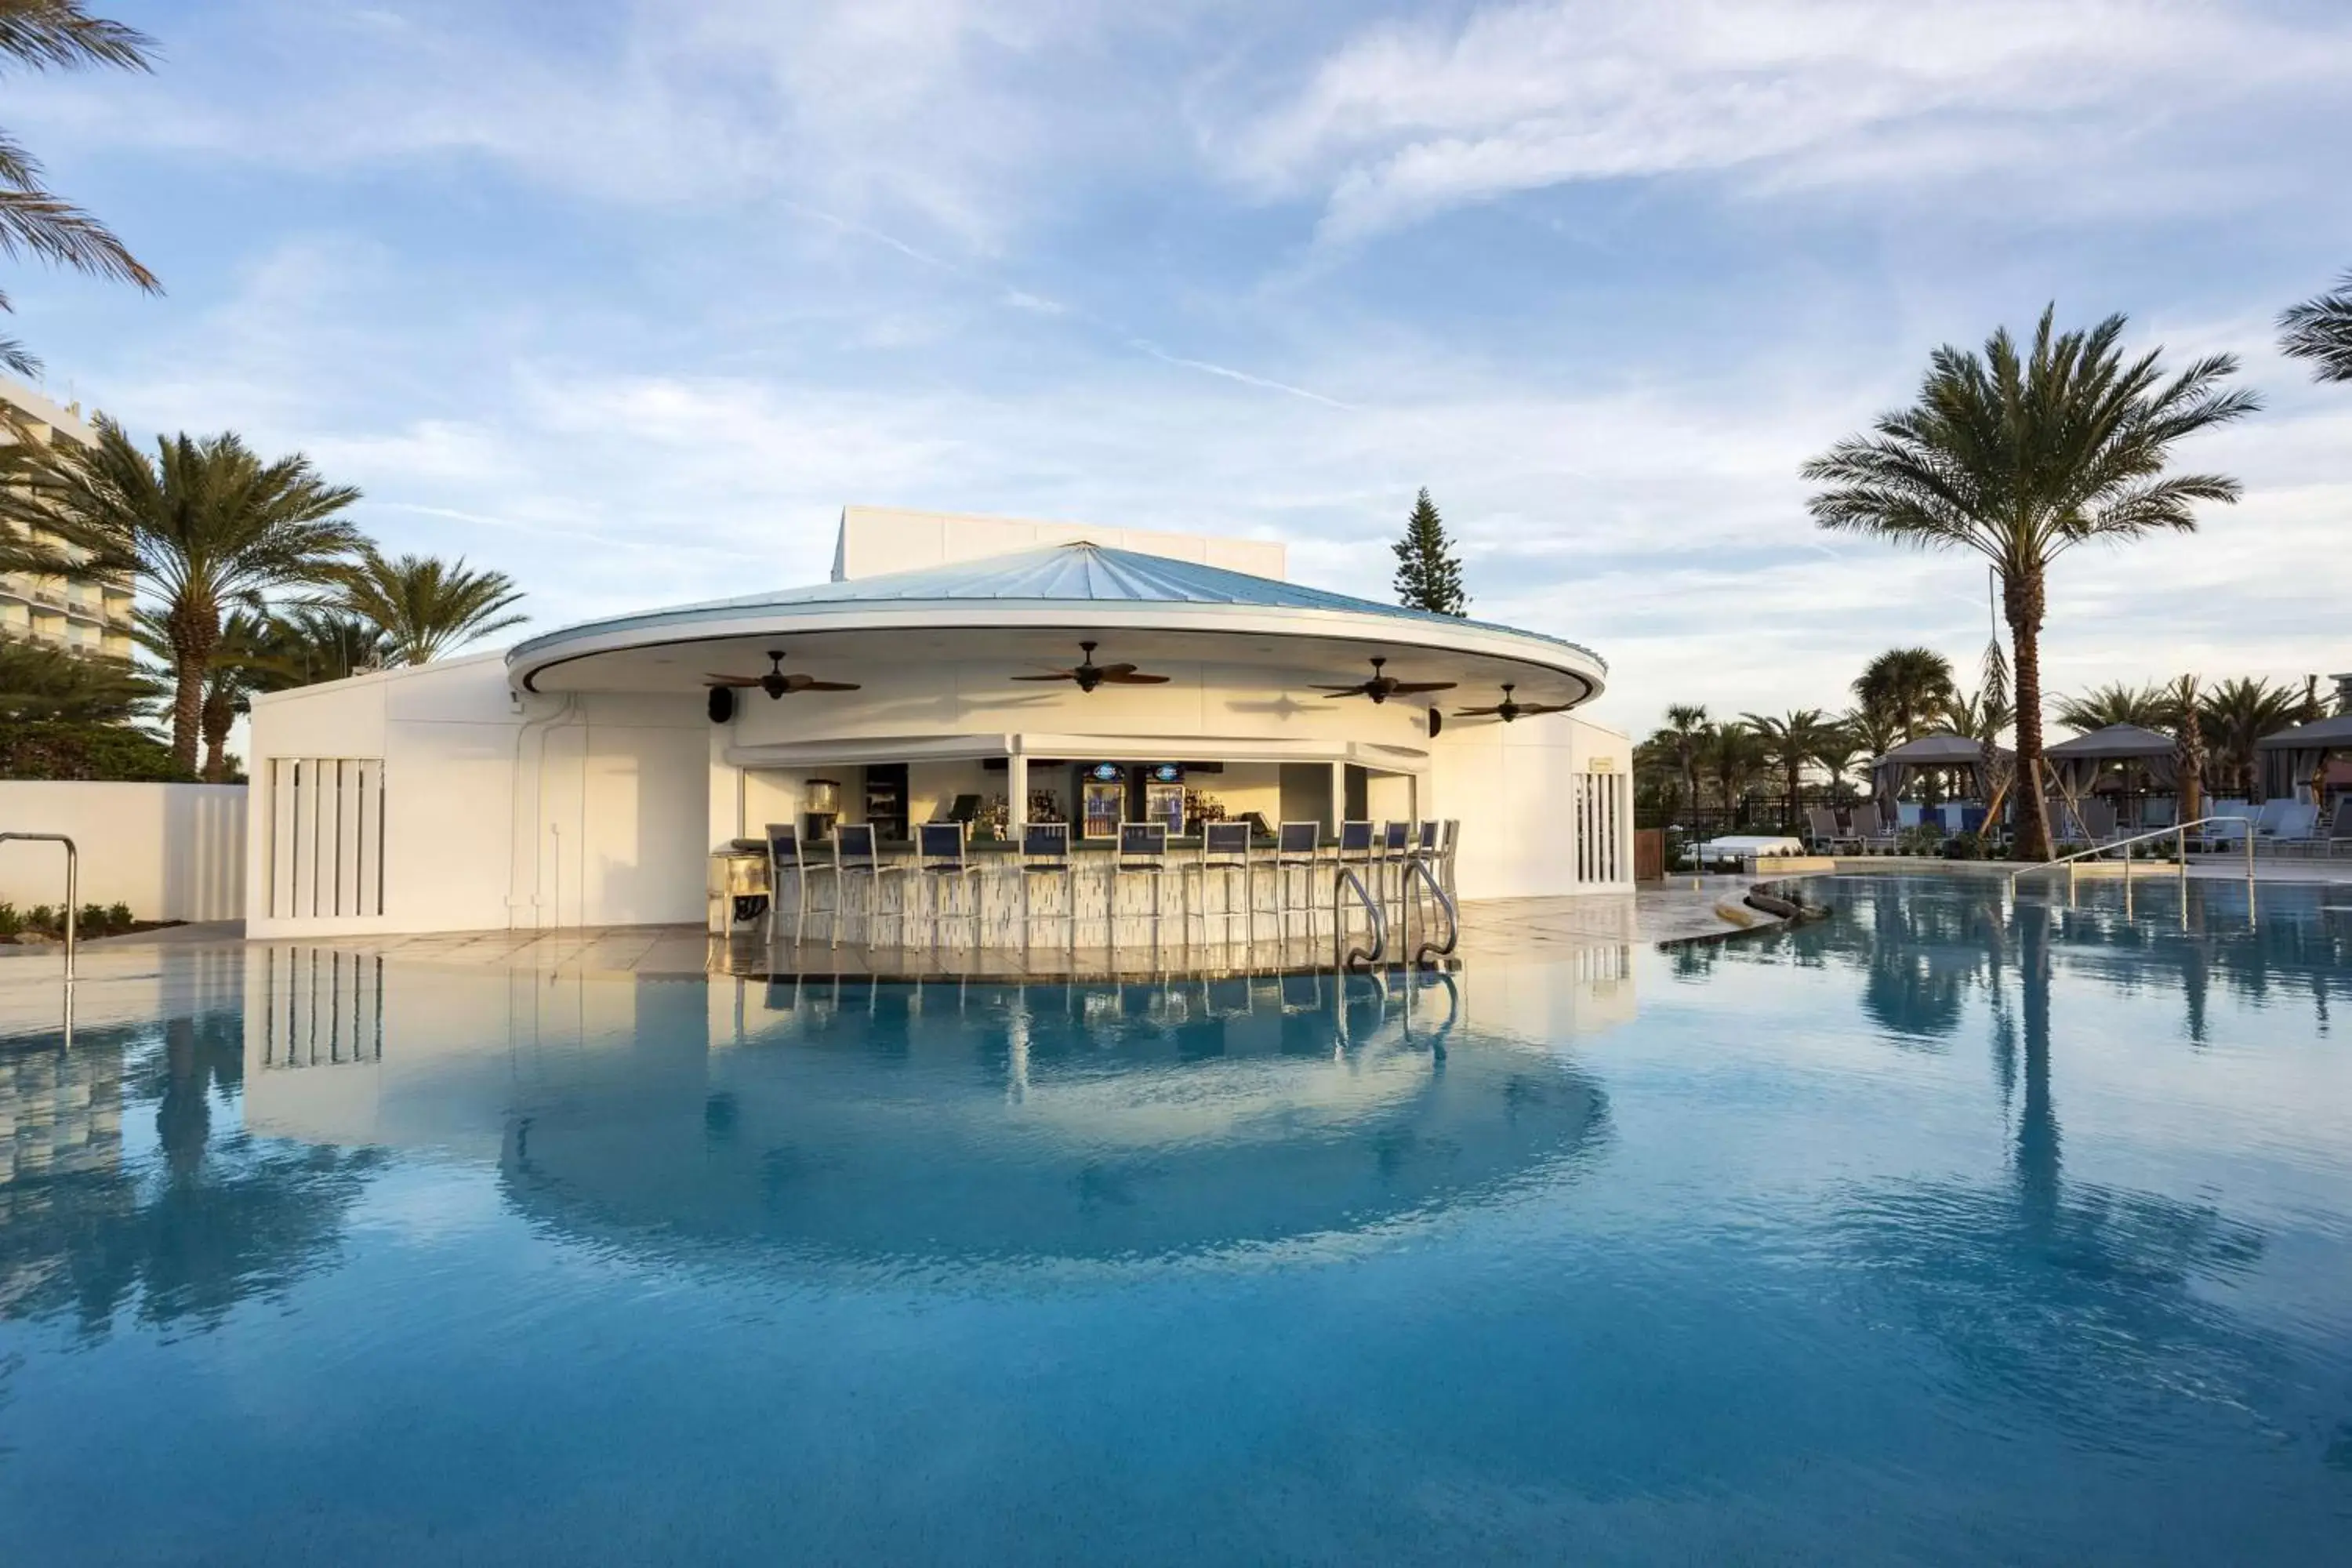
(529, 809)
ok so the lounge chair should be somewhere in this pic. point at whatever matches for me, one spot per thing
(1822, 824)
(1881, 837)
(2294, 827)
(2095, 819)
(2233, 820)
(2339, 831)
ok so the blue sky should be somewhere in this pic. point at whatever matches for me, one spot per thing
(627, 300)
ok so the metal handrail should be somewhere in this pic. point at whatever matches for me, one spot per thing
(2178, 830)
(1452, 917)
(73, 878)
(1356, 957)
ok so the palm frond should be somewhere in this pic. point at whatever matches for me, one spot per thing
(62, 34)
(425, 606)
(2320, 331)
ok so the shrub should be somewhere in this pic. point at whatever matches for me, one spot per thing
(40, 917)
(118, 917)
(1965, 846)
(11, 923)
(93, 920)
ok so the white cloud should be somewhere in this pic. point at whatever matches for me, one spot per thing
(1407, 119)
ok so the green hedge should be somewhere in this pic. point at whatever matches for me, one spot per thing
(58, 749)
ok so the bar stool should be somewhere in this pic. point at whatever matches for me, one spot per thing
(1356, 853)
(1045, 852)
(1142, 851)
(1396, 843)
(854, 856)
(1453, 847)
(1225, 850)
(942, 866)
(1295, 848)
(784, 861)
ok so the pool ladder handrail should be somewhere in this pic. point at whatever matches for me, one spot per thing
(73, 876)
(1348, 880)
(1418, 867)
(2179, 831)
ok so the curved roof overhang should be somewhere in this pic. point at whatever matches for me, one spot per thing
(676, 649)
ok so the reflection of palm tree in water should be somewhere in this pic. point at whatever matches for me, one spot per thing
(2088, 1302)
(232, 1218)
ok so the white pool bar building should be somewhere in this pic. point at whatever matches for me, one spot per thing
(984, 672)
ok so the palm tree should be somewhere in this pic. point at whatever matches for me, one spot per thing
(1874, 732)
(1981, 716)
(1837, 751)
(1907, 685)
(2020, 458)
(426, 606)
(206, 526)
(2182, 698)
(2148, 707)
(319, 642)
(1685, 732)
(34, 220)
(1734, 756)
(37, 683)
(2321, 331)
(1789, 743)
(2236, 715)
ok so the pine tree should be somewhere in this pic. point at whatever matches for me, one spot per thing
(1428, 577)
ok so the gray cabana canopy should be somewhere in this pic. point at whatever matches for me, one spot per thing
(1899, 767)
(2291, 757)
(2076, 762)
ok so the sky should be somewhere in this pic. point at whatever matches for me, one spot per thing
(627, 300)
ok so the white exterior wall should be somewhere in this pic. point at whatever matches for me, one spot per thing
(171, 851)
(608, 827)
(1514, 787)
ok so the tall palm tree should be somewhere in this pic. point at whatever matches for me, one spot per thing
(37, 682)
(2320, 331)
(1787, 744)
(2021, 456)
(2188, 726)
(426, 606)
(1837, 751)
(1907, 685)
(2149, 706)
(1873, 731)
(2235, 716)
(1686, 726)
(42, 34)
(205, 526)
(1734, 756)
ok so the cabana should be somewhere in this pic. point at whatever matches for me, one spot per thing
(2293, 758)
(1936, 754)
(2075, 764)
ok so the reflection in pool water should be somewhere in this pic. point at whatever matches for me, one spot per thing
(1941, 1231)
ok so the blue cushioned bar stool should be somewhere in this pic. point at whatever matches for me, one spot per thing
(1046, 857)
(946, 871)
(1142, 852)
(1356, 853)
(787, 864)
(853, 860)
(1225, 850)
(1297, 853)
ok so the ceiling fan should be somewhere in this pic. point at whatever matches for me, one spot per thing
(1381, 687)
(1089, 675)
(1509, 708)
(776, 683)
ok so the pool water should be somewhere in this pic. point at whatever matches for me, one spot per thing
(1939, 1232)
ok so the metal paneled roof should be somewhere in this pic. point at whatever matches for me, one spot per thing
(1058, 575)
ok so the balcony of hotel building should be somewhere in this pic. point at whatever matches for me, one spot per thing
(81, 612)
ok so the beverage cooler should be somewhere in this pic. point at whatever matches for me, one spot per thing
(1102, 800)
(1164, 796)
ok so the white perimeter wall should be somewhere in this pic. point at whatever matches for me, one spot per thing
(171, 851)
(608, 830)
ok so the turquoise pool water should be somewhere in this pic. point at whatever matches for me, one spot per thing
(1936, 1233)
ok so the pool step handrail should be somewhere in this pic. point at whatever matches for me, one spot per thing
(1419, 869)
(73, 878)
(2179, 832)
(1356, 958)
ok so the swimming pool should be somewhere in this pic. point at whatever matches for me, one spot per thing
(1937, 1231)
